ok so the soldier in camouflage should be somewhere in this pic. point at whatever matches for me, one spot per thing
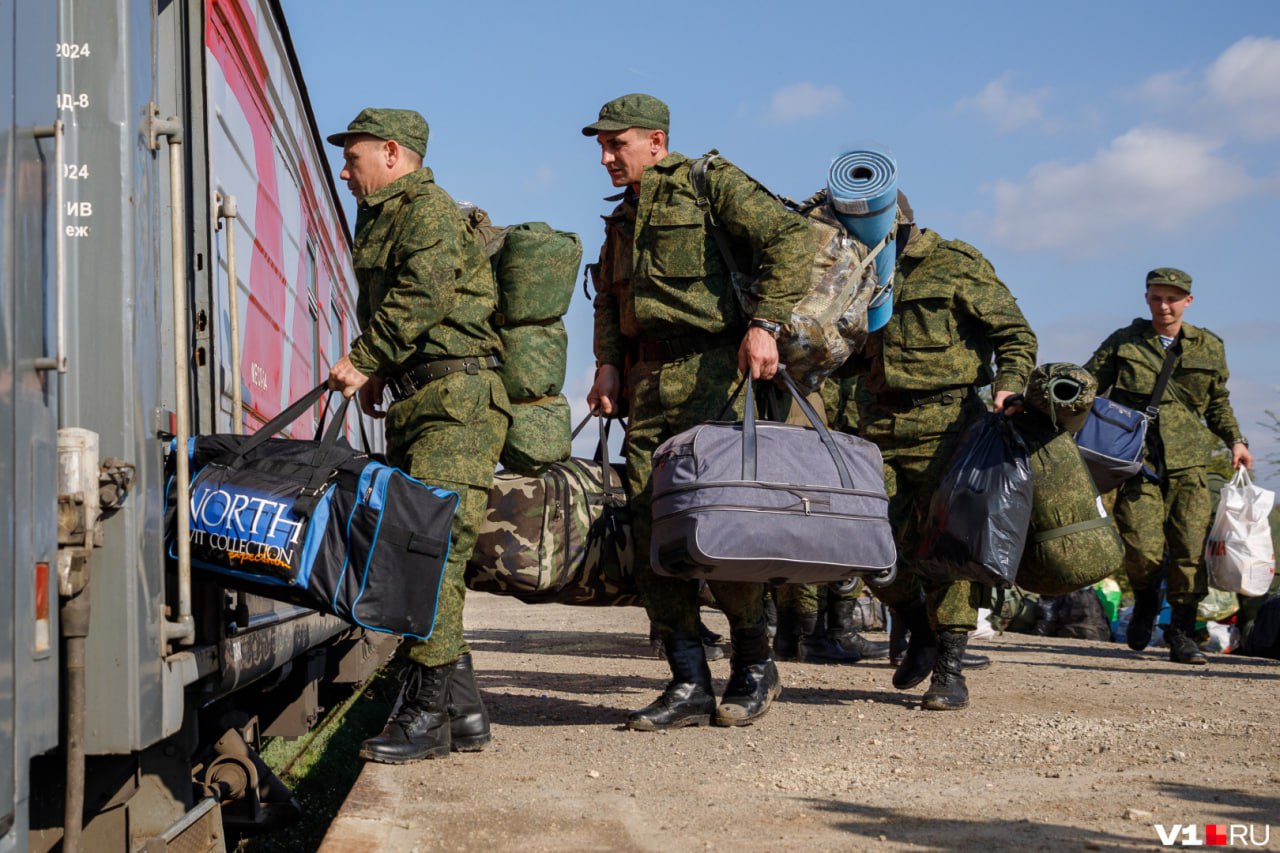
(1172, 515)
(666, 311)
(917, 395)
(426, 296)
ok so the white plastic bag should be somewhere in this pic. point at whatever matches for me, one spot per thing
(1239, 552)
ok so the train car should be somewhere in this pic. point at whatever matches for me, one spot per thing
(174, 260)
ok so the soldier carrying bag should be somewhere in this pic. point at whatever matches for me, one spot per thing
(767, 501)
(316, 523)
(1113, 439)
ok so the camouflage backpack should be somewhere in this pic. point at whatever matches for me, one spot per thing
(562, 537)
(1072, 542)
(829, 323)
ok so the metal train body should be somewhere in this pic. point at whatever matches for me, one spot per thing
(146, 144)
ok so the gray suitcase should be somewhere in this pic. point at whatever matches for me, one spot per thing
(767, 501)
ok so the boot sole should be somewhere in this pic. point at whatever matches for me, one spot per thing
(929, 705)
(683, 722)
(474, 743)
(907, 685)
(379, 758)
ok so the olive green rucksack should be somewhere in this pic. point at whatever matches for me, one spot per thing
(536, 268)
(1072, 541)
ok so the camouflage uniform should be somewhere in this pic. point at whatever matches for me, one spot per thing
(662, 279)
(1175, 512)
(427, 292)
(922, 370)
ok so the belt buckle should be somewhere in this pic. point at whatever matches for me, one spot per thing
(471, 367)
(947, 397)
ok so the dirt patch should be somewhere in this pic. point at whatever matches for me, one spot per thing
(1067, 745)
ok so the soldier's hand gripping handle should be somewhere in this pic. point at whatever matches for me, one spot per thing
(603, 396)
(758, 354)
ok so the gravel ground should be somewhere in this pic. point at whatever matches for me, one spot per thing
(1067, 745)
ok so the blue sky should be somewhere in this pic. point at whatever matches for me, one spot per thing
(1076, 144)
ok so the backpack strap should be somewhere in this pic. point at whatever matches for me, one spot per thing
(698, 175)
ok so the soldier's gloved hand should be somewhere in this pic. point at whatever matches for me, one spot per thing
(758, 354)
(603, 396)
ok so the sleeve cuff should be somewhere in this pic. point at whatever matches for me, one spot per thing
(362, 358)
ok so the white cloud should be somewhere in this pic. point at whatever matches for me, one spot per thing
(1245, 82)
(1006, 109)
(1168, 88)
(804, 100)
(1149, 179)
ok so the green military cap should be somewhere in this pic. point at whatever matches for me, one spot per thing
(631, 111)
(406, 127)
(1170, 276)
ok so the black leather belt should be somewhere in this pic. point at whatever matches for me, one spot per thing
(684, 346)
(412, 380)
(911, 399)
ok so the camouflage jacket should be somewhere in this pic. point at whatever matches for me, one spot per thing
(426, 287)
(951, 315)
(1128, 363)
(662, 275)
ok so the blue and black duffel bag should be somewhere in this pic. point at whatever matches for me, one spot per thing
(317, 523)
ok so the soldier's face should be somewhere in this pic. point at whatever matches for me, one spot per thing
(625, 153)
(1167, 303)
(365, 165)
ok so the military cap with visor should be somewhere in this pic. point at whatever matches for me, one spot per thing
(635, 110)
(1170, 276)
(406, 127)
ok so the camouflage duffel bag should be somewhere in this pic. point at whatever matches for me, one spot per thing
(536, 268)
(539, 435)
(534, 362)
(1072, 542)
(563, 537)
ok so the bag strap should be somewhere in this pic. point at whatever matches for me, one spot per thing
(698, 175)
(1166, 370)
(1089, 524)
(282, 420)
(602, 455)
(750, 443)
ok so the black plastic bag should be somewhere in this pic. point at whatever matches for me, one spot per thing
(978, 518)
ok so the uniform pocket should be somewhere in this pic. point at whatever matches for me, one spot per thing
(926, 316)
(679, 241)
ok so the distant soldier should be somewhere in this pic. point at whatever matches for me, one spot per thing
(952, 320)
(666, 308)
(1169, 513)
(426, 297)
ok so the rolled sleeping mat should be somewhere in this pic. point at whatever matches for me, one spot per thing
(1063, 393)
(863, 187)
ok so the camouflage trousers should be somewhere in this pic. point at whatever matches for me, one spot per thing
(918, 444)
(1174, 513)
(668, 398)
(807, 597)
(449, 435)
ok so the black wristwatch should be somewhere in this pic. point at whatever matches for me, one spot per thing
(769, 326)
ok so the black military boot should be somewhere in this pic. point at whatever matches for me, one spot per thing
(1181, 636)
(468, 719)
(1146, 605)
(840, 622)
(687, 699)
(753, 681)
(898, 637)
(922, 648)
(817, 647)
(947, 691)
(786, 639)
(419, 727)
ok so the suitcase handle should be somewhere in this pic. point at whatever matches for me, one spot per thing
(749, 429)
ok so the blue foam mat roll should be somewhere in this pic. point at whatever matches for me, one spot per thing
(863, 186)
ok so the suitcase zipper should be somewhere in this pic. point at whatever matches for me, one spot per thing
(770, 511)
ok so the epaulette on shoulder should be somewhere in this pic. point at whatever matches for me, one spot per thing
(963, 248)
(1212, 334)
